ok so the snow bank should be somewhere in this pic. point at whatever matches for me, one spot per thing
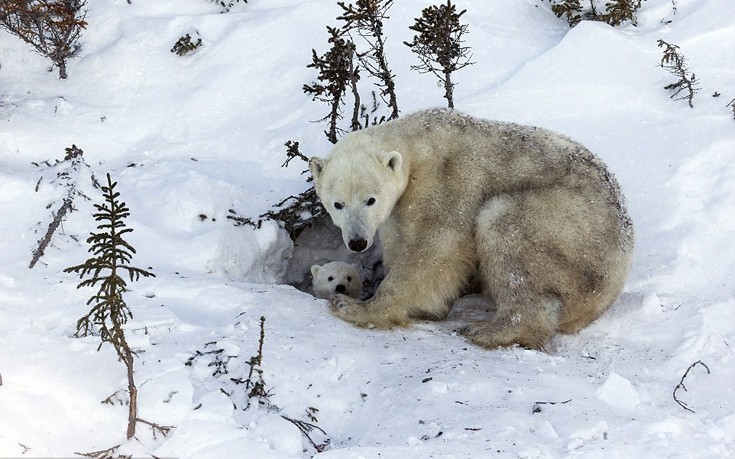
(190, 139)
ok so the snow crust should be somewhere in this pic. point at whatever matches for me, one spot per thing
(191, 138)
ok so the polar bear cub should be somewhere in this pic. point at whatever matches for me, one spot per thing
(334, 278)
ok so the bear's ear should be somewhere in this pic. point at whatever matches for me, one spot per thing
(314, 270)
(316, 166)
(392, 160)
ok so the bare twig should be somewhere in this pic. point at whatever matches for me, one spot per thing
(255, 384)
(682, 386)
(109, 453)
(163, 430)
(292, 151)
(113, 399)
(306, 428)
(39, 251)
(68, 176)
(537, 405)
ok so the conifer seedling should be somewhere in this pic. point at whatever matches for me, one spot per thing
(108, 268)
(337, 74)
(438, 45)
(365, 18)
(675, 63)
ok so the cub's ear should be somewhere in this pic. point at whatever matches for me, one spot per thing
(316, 166)
(391, 160)
(314, 270)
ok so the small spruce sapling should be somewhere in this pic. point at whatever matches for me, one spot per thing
(365, 18)
(675, 62)
(337, 74)
(51, 27)
(438, 45)
(108, 268)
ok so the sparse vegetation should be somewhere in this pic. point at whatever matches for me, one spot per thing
(51, 27)
(107, 268)
(438, 45)
(365, 18)
(184, 45)
(227, 5)
(683, 387)
(337, 74)
(337, 79)
(67, 176)
(254, 385)
(616, 12)
(674, 62)
(296, 212)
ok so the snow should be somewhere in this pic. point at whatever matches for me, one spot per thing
(190, 138)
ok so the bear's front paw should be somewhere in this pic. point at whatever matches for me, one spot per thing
(347, 308)
(340, 303)
(350, 310)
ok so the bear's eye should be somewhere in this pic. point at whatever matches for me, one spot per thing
(349, 278)
(370, 201)
(338, 205)
(330, 278)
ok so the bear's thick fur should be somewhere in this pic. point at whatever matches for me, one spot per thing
(523, 215)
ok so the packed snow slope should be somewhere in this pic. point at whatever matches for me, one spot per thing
(189, 138)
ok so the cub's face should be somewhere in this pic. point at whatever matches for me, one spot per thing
(359, 192)
(336, 278)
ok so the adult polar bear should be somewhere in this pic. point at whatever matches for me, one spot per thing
(528, 217)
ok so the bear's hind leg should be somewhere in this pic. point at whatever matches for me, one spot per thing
(523, 326)
(515, 274)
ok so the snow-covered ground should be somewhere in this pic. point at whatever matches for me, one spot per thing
(189, 138)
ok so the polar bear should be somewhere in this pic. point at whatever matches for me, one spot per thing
(334, 278)
(527, 217)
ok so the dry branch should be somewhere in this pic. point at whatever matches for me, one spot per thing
(68, 177)
(60, 214)
(682, 386)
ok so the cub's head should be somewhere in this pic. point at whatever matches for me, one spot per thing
(359, 191)
(336, 278)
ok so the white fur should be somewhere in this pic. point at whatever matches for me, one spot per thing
(336, 278)
(527, 217)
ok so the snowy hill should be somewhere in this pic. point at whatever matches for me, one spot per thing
(190, 138)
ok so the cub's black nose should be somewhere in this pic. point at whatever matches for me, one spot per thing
(357, 245)
(341, 289)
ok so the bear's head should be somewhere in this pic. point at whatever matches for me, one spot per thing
(359, 189)
(336, 277)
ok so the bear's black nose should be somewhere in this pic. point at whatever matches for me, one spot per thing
(341, 288)
(357, 245)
